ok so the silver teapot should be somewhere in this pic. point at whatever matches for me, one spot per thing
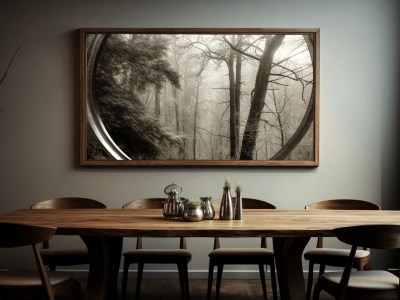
(173, 206)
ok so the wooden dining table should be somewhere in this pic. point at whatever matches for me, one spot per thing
(103, 232)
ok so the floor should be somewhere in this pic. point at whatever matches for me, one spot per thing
(168, 289)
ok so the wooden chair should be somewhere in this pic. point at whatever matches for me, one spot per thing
(332, 256)
(32, 284)
(181, 257)
(243, 256)
(365, 285)
(53, 257)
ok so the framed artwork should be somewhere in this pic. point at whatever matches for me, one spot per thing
(199, 97)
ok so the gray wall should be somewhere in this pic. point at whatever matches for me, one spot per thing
(359, 102)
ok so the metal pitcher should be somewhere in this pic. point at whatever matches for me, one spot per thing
(208, 208)
(173, 206)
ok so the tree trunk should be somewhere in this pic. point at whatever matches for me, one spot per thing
(232, 105)
(157, 94)
(238, 92)
(196, 108)
(257, 102)
(184, 150)
(176, 108)
(279, 118)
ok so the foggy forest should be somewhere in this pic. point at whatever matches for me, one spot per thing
(202, 96)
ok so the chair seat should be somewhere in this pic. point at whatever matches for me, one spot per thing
(366, 280)
(29, 278)
(340, 253)
(65, 257)
(157, 256)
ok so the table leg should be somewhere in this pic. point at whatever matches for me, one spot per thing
(288, 256)
(105, 258)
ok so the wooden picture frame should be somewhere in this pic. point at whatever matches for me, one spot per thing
(199, 97)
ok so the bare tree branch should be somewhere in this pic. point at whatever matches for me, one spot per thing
(211, 133)
(240, 51)
(279, 64)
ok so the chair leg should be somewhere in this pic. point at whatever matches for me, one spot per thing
(362, 264)
(367, 265)
(317, 291)
(310, 280)
(124, 280)
(181, 281)
(262, 277)
(219, 277)
(139, 280)
(210, 280)
(321, 270)
(273, 281)
(184, 281)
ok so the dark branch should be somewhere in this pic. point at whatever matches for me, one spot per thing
(9, 65)
(240, 51)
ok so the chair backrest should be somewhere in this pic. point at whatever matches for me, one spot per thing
(341, 204)
(18, 235)
(145, 203)
(68, 203)
(370, 236)
(149, 203)
(367, 236)
(247, 203)
(250, 203)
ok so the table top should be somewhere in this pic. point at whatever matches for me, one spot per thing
(151, 223)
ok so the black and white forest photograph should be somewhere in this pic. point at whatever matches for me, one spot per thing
(188, 98)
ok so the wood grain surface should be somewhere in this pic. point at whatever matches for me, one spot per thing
(103, 230)
(150, 222)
